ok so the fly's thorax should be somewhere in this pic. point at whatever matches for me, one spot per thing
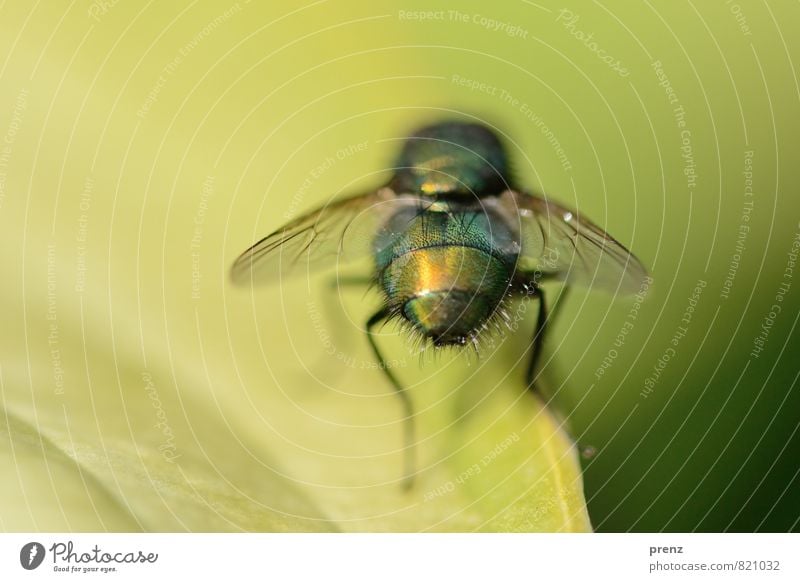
(413, 228)
(458, 160)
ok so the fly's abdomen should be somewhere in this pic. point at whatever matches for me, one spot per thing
(447, 293)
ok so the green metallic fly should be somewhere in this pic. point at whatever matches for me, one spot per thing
(453, 243)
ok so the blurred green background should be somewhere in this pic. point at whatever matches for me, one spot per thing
(146, 145)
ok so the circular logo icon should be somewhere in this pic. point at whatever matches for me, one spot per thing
(31, 555)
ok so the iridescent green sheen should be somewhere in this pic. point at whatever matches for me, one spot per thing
(445, 272)
(447, 292)
(409, 230)
(452, 159)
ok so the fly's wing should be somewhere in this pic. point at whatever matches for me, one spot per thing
(561, 245)
(338, 232)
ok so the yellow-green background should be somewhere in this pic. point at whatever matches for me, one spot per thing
(275, 435)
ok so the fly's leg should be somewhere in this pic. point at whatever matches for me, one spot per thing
(334, 316)
(408, 409)
(335, 283)
(349, 281)
(537, 343)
